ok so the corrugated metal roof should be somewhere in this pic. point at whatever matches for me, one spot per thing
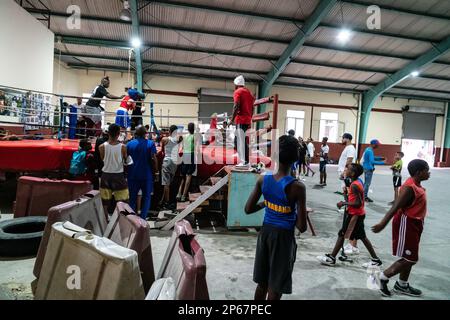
(103, 8)
(376, 44)
(204, 59)
(187, 39)
(347, 59)
(391, 22)
(92, 50)
(92, 29)
(441, 7)
(284, 8)
(205, 20)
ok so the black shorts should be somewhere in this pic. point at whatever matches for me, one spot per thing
(358, 231)
(323, 166)
(188, 168)
(275, 256)
(397, 181)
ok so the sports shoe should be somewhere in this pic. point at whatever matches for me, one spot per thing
(372, 263)
(327, 260)
(351, 250)
(242, 164)
(408, 290)
(368, 199)
(383, 285)
(345, 258)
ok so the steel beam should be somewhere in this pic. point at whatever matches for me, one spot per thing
(321, 11)
(370, 96)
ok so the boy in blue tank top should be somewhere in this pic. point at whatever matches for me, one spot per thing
(285, 208)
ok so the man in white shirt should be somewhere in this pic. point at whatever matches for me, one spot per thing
(348, 156)
(309, 156)
(81, 108)
(324, 150)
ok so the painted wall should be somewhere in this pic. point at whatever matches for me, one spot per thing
(26, 55)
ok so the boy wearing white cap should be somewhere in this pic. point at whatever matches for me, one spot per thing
(242, 117)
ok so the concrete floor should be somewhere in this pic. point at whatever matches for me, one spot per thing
(230, 255)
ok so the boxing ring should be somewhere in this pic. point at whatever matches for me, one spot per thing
(51, 151)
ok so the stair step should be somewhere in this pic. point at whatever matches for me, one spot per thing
(204, 188)
(214, 180)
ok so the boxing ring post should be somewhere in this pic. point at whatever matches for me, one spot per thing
(266, 116)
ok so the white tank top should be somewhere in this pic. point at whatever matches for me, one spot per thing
(113, 162)
(171, 149)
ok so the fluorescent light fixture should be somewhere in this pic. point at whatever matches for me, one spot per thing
(136, 42)
(125, 14)
(344, 35)
(415, 73)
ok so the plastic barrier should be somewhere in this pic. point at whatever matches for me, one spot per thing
(129, 230)
(81, 266)
(185, 263)
(36, 195)
(86, 212)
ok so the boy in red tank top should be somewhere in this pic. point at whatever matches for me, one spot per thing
(353, 224)
(409, 212)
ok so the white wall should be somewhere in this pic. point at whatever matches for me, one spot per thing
(26, 55)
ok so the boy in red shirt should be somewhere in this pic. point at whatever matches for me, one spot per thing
(242, 116)
(409, 212)
(353, 224)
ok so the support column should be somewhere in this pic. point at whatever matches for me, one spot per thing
(368, 101)
(445, 146)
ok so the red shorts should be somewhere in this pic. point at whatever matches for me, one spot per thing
(406, 234)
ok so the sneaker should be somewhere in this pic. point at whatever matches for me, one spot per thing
(372, 263)
(182, 199)
(351, 250)
(345, 258)
(241, 164)
(383, 285)
(408, 290)
(368, 200)
(327, 260)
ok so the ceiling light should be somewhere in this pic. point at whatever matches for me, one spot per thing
(125, 14)
(344, 35)
(136, 42)
(415, 73)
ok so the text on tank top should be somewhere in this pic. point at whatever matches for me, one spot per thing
(279, 211)
(113, 162)
(418, 209)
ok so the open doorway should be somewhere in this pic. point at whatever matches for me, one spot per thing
(418, 149)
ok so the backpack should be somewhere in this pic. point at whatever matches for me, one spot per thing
(78, 163)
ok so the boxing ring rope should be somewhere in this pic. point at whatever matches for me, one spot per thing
(63, 114)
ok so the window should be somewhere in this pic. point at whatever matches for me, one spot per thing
(329, 126)
(295, 120)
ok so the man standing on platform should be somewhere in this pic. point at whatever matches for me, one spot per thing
(242, 116)
(93, 107)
